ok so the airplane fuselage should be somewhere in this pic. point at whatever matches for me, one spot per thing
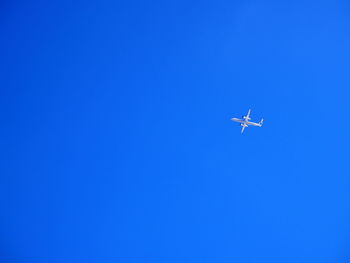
(244, 122)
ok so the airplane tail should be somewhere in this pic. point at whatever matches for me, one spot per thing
(261, 122)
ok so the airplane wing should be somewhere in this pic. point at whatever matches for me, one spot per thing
(248, 114)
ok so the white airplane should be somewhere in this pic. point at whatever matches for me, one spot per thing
(245, 121)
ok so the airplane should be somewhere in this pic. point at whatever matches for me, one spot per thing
(245, 122)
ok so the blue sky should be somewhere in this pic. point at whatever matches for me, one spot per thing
(117, 145)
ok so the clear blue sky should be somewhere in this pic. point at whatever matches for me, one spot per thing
(117, 145)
